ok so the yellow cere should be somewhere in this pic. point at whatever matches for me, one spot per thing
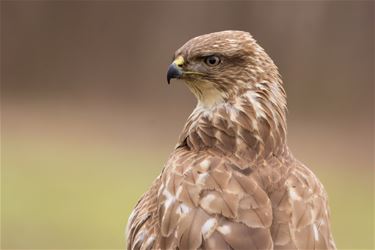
(179, 61)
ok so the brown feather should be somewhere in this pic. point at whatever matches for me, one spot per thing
(231, 182)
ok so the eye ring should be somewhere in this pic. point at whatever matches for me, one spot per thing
(212, 60)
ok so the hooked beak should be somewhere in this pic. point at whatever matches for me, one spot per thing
(173, 72)
(175, 69)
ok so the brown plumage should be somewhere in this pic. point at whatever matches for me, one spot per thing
(232, 182)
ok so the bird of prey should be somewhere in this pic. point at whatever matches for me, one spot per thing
(231, 182)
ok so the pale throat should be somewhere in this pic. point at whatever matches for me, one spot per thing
(206, 93)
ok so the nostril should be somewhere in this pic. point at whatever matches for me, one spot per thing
(179, 61)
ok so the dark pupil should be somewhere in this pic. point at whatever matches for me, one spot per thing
(212, 60)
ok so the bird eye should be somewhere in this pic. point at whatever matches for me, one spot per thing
(212, 60)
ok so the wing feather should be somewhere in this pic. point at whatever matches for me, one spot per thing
(224, 208)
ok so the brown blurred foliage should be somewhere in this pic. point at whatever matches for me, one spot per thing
(120, 49)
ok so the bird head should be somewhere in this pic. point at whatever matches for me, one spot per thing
(217, 66)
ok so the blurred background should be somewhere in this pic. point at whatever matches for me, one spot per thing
(88, 120)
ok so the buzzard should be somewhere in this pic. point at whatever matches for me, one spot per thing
(231, 182)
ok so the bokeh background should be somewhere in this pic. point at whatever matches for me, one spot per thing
(87, 119)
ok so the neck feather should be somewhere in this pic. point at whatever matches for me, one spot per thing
(250, 126)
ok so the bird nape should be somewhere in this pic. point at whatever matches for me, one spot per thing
(231, 182)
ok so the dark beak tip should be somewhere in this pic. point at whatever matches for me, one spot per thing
(173, 72)
(168, 80)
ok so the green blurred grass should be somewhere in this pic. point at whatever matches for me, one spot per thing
(55, 195)
(351, 199)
